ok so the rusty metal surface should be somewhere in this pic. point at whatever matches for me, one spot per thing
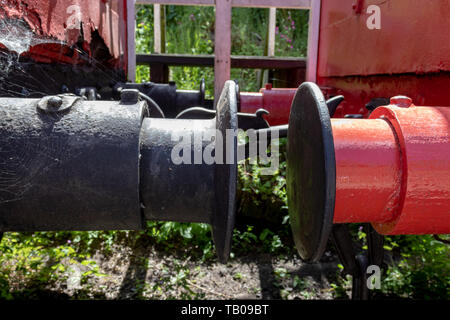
(408, 55)
(50, 29)
(428, 89)
(412, 38)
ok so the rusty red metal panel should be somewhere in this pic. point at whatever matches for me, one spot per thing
(408, 55)
(412, 38)
(53, 26)
(429, 89)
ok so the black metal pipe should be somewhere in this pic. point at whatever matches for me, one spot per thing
(173, 191)
(268, 132)
(170, 100)
(72, 164)
(69, 164)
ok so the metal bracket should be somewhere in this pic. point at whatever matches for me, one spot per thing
(356, 266)
(245, 120)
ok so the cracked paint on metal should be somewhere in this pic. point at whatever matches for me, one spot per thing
(54, 20)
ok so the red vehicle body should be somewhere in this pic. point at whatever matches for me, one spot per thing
(408, 55)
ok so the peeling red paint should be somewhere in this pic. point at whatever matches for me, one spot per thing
(54, 19)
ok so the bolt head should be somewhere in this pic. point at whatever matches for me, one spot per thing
(54, 102)
(401, 101)
(57, 104)
(129, 96)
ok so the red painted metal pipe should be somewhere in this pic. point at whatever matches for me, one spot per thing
(275, 100)
(393, 169)
(367, 167)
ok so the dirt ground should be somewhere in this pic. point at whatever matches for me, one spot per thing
(143, 272)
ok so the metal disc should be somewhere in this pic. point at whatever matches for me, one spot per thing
(311, 173)
(225, 174)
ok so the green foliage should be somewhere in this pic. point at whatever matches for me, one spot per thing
(422, 271)
(418, 268)
(190, 30)
(30, 262)
(264, 196)
(195, 237)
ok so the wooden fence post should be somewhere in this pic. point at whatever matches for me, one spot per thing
(159, 72)
(131, 25)
(270, 45)
(222, 51)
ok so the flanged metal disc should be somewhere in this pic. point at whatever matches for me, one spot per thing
(311, 172)
(225, 174)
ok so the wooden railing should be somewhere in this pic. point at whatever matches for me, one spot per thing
(222, 59)
(159, 63)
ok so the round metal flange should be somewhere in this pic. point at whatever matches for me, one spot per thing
(225, 174)
(311, 173)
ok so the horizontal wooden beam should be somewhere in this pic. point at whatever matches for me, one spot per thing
(286, 4)
(179, 2)
(244, 62)
(293, 4)
(256, 62)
